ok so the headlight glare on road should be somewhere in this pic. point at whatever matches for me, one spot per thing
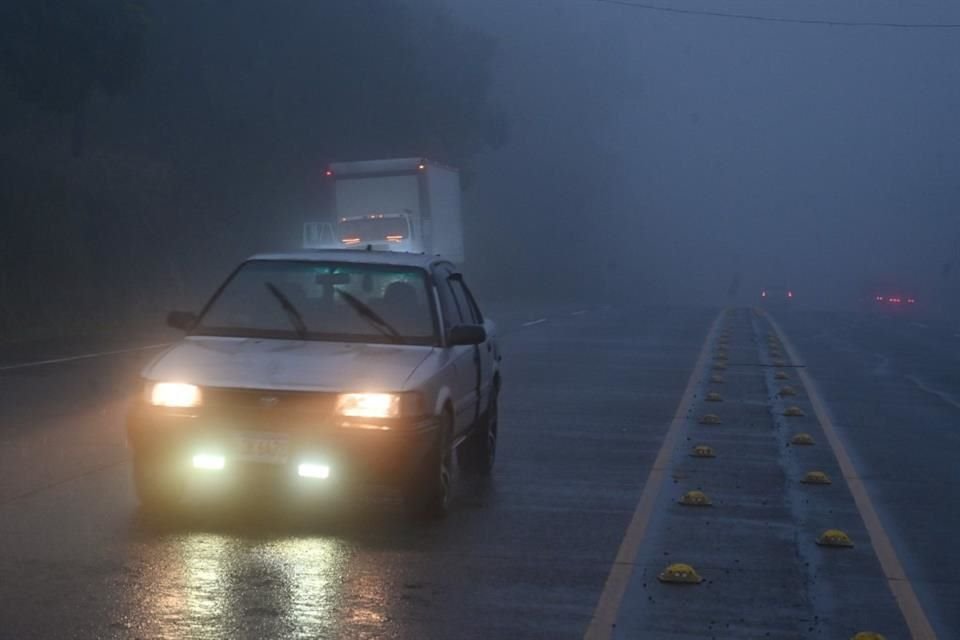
(368, 405)
(175, 394)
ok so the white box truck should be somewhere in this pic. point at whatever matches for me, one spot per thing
(402, 204)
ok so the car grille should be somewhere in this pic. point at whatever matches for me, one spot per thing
(268, 409)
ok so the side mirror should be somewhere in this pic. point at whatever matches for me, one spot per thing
(183, 320)
(466, 334)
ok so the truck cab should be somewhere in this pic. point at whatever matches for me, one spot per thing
(381, 232)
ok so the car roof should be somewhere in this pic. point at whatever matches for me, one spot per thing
(357, 256)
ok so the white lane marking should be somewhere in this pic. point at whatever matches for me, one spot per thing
(946, 397)
(85, 356)
(534, 322)
(920, 325)
(579, 313)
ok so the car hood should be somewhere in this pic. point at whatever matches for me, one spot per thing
(253, 363)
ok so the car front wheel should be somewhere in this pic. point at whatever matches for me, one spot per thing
(429, 490)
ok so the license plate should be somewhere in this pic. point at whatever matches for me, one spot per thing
(263, 447)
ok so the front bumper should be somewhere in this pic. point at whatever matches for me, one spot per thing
(384, 452)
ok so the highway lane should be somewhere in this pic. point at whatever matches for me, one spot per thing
(893, 386)
(587, 399)
(589, 396)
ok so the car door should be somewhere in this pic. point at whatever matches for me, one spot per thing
(486, 352)
(464, 359)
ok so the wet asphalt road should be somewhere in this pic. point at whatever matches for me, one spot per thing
(892, 383)
(588, 398)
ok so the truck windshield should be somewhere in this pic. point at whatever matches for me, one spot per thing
(323, 301)
(355, 231)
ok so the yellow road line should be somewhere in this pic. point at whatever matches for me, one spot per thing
(897, 578)
(605, 615)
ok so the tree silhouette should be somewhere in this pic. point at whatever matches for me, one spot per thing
(57, 53)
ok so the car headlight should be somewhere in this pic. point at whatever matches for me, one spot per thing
(368, 405)
(175, 394)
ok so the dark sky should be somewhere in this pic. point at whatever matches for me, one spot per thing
(814, 156)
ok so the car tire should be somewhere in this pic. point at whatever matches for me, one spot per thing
(158, 483)
(430, 489)
(479, 452)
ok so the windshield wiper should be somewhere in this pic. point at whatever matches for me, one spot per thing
(375, 319)
(296, 319)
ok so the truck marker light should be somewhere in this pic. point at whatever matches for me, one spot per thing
(394, 238)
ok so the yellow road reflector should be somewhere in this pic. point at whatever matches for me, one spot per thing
(713, 396)
(802, 439)
(788, 391)
(695, 499)
(816, 477)
(868, 635)
(703, 451)
(834, 538)
(794, 412)
(716, 378)
(680, 573)
(781, 375)
(710, 418)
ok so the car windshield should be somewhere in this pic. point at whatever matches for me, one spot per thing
(323, 301)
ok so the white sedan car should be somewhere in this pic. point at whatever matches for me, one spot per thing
(324, 367)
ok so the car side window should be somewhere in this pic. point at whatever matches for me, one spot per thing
(474, 307)
(468, 312)
(448, 303)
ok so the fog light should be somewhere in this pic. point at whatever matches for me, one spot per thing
(208, 461)
(310, 470)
